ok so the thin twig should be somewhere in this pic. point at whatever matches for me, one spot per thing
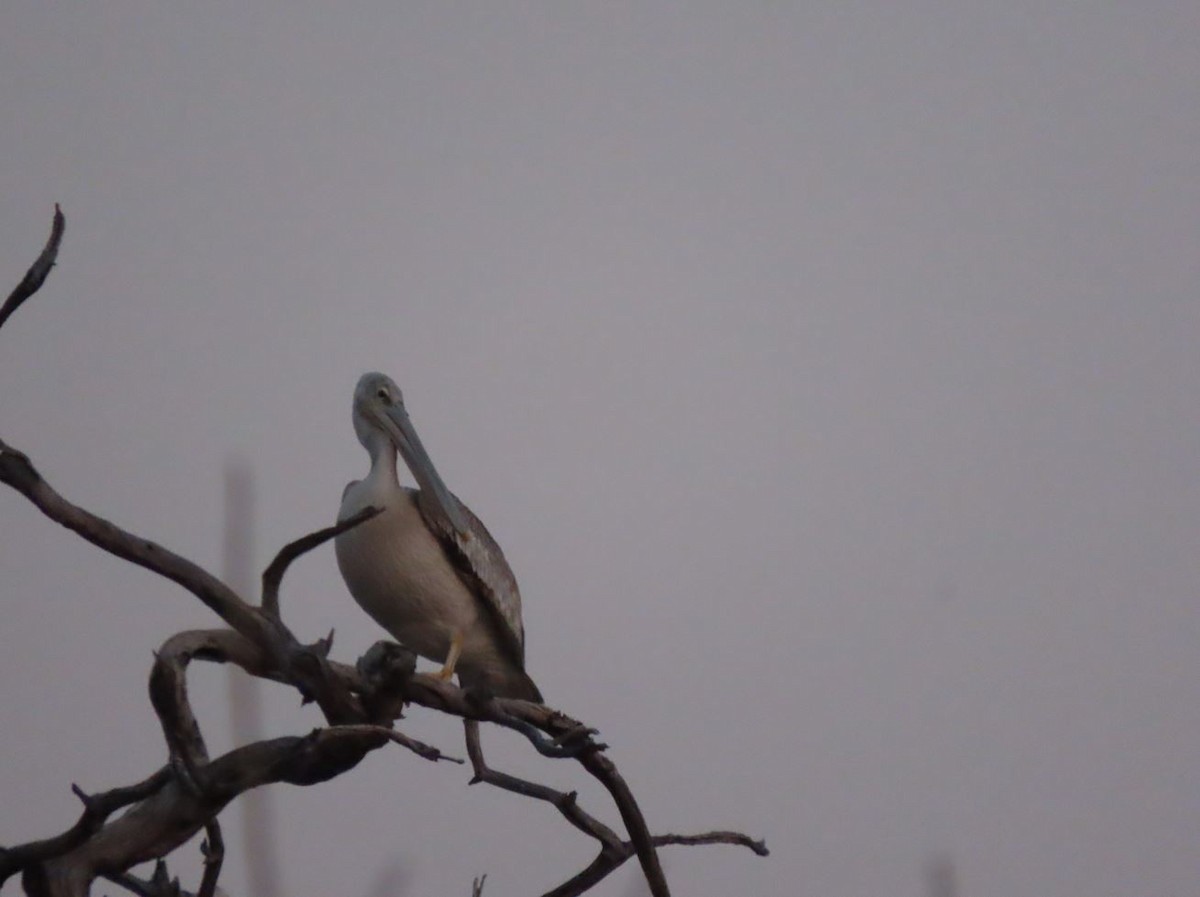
(213, 849)
(273, 575)
(564, 801)
(613, 856)
(420, 748)
(737, 839)
(36, 275)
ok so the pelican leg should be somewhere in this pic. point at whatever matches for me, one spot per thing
(456, 646)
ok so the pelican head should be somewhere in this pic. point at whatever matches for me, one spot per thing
(382, 425)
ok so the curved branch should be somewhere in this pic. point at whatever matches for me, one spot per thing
(168, 818)
(303, 666)
(186, 795)
(38, 272)
(605, 771)
(17, 471)
(273, 576)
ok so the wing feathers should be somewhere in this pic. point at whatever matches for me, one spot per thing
(481, 564)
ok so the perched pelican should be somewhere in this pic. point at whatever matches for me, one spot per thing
(426, 569)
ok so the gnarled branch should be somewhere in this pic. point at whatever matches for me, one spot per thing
(360, 703)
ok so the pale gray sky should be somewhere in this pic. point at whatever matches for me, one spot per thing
(828, 377)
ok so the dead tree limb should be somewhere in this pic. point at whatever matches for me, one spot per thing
(360, 704)
(38, 271)
(613, 850)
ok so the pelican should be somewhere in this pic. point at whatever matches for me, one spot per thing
(426, 569)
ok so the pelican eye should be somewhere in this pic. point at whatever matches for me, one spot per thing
(383, 393)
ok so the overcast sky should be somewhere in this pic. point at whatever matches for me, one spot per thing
(830, 379)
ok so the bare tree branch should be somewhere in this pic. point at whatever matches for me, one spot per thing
(360, 703)
(96, 809)
(564, 801)
(17, 471)
(757, 845)
(157, 825)
(213, 849)
(273, 575)
(605, 771)
(613, 850)
(420, 748)
(196, 789)
(36, 275)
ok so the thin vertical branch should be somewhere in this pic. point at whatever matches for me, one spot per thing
(213, 849)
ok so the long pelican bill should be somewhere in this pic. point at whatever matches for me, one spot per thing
(398, 426)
